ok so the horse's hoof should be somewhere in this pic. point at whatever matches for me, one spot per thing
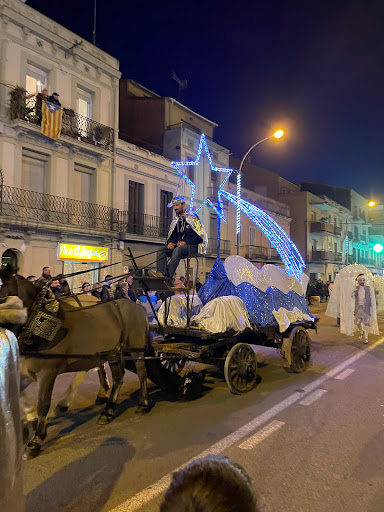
(144, 407)
(105, 419)
(61, 408)
(101, 399)
(32, 450)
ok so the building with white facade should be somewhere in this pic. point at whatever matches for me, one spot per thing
(55, 191)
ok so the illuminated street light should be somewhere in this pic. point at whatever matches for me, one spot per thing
(371, 204)
(277, 135)
(378, 248)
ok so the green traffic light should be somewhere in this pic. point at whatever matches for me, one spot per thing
(378, 248)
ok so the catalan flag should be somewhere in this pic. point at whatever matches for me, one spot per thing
(51, 117)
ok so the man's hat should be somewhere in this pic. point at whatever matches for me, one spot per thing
(55, 94)
(177, 199)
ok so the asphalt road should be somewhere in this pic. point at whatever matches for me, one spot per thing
(310, 442)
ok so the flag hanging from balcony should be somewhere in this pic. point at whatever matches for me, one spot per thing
(51, 117)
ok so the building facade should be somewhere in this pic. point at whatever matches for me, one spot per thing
(55, 191)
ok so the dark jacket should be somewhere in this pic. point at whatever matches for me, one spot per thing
(95, 293)
(184, 232)
(106, 293)
(51, 99)
(125, 293)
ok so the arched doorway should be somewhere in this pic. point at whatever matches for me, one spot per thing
(10, 256)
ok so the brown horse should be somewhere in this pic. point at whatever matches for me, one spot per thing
(102, 331)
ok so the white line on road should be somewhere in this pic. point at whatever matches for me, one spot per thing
(313, 397)
(146, 495)
(343, 375)
(261, 435)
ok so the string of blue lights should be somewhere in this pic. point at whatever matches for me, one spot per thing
(289, 253)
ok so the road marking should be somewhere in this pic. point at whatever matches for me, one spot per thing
(261, 435)
(313, 397)
(149, 493)
(343, 375)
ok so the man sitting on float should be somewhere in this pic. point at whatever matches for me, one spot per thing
(186, 237)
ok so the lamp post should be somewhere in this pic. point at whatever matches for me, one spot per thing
(277, 135)
(371, 204)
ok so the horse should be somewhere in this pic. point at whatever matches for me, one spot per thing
(102, 333)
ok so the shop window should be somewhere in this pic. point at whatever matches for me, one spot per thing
(9, 257)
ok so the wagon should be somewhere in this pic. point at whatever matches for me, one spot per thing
(230, 351)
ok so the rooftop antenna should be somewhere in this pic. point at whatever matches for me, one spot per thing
(183, 84)
(94, 23)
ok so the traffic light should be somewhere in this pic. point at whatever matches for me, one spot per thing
(378, 248)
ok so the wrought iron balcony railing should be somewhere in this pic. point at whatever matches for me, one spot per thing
(322, 227)
(323, 255)
(74, 125)
(143, 224)
(225, 247)
(337, 230)
(255, 252)
(35, 206)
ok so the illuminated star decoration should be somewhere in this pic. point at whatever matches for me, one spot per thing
(179, 168)
(290, 255)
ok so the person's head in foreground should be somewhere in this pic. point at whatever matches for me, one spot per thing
(211, 484)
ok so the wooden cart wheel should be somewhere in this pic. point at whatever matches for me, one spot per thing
(300, 351)
(240, 368)
(173, 364)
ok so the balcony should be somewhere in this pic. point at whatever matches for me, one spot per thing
(259, 253)
(255, 252)
(142, 224)
(73, 125)
(27, 205)
(322, 227)
(331, 256)
(225, 247)
(337, 230)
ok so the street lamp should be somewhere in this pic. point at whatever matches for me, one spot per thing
(277, 135)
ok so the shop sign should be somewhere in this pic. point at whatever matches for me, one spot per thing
(86, 253)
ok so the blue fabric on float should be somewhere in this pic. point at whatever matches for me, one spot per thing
(217, 284)
(259, 304)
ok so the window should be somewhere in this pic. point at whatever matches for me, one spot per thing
(189, 170)
(84, 103)
(214, 156)
(313, 215)
(166, 213)
(33, 170)
(252, 235)
(83, 183)
(191, 144)
(36, 79)
(136, 207)
(84, 108)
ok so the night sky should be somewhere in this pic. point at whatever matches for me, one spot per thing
(315, 69)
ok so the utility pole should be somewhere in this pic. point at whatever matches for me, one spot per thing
(94, 23)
